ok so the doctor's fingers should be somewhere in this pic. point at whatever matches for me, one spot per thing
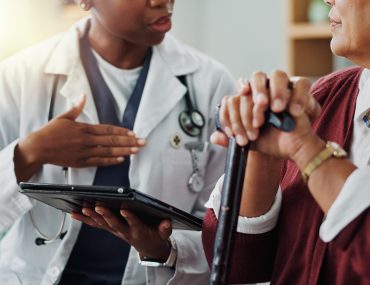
(105, 151)
(104, 129)
(113, 140)
(84, 218)
(117, 225)
(165, 229)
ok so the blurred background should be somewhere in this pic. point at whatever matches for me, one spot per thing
(245, 35)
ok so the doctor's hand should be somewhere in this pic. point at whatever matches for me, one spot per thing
(68, 143)
(148, 241)
(243, 115)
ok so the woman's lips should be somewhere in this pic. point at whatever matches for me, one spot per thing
(162, 25)
(334, 24)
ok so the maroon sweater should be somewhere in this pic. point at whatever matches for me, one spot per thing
(293, 253)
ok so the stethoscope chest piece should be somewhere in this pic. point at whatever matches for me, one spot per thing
(191, 122)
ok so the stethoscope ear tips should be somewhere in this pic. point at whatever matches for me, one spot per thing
(41, 241)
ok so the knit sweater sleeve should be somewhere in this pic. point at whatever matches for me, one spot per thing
(252, 255)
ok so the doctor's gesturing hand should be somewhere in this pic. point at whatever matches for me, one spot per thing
(68, 143)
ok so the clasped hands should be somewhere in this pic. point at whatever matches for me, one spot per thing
(243, 115)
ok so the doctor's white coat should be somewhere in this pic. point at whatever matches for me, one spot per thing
(26, 83)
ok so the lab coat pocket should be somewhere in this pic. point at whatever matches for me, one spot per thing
(177, 169)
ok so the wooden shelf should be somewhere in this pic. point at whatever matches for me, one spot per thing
(309, 31)
(308, 44)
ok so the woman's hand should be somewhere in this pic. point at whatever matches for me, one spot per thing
(65, 142)
(243, 116)
(148, 241)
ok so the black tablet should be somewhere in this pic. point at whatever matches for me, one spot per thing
(72, 198)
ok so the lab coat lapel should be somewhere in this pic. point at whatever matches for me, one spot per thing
(75, 86)
(65, 63)
(162, 92)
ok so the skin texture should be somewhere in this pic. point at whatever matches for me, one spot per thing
(121, 32)
(349, 24)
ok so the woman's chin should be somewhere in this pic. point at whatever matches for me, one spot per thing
(338, 48)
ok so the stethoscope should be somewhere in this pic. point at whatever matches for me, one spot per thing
(191, 120)
(42, 238)
(192, 123)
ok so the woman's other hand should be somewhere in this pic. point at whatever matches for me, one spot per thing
(68, 143)
(148, 241)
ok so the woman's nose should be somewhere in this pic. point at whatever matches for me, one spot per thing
(329, 2)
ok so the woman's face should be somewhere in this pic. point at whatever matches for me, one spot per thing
(350, 26)
(141, 22)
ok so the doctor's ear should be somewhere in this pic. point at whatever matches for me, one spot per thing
(84, 5)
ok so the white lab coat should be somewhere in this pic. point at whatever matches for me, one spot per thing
(26, 82)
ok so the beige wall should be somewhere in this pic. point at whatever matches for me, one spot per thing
(245, 35)
(25, 22)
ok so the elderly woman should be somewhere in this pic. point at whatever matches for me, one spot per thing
(137, 80)
(315, 227)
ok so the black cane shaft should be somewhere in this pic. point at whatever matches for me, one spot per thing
(229, 212)
(231, 197)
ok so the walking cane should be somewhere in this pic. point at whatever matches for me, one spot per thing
(231, 196)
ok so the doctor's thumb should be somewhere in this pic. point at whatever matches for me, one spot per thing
(76, 110)
(165, 229)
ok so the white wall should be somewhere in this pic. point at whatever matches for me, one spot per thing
(245, 35)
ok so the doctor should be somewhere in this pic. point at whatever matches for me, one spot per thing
(127, 67)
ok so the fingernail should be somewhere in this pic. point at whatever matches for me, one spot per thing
(167, 225)
(99, 211)
(228, 132)
(130, 133)
(123, 214)
(85, 212)
(239, 84)
(120, 159)
(134, 149)
(296, 109)
(141, 142)
(277, 105)
(252, 135)
(241, 140)
(82, 97)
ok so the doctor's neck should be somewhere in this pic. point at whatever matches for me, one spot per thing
(118, 52)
